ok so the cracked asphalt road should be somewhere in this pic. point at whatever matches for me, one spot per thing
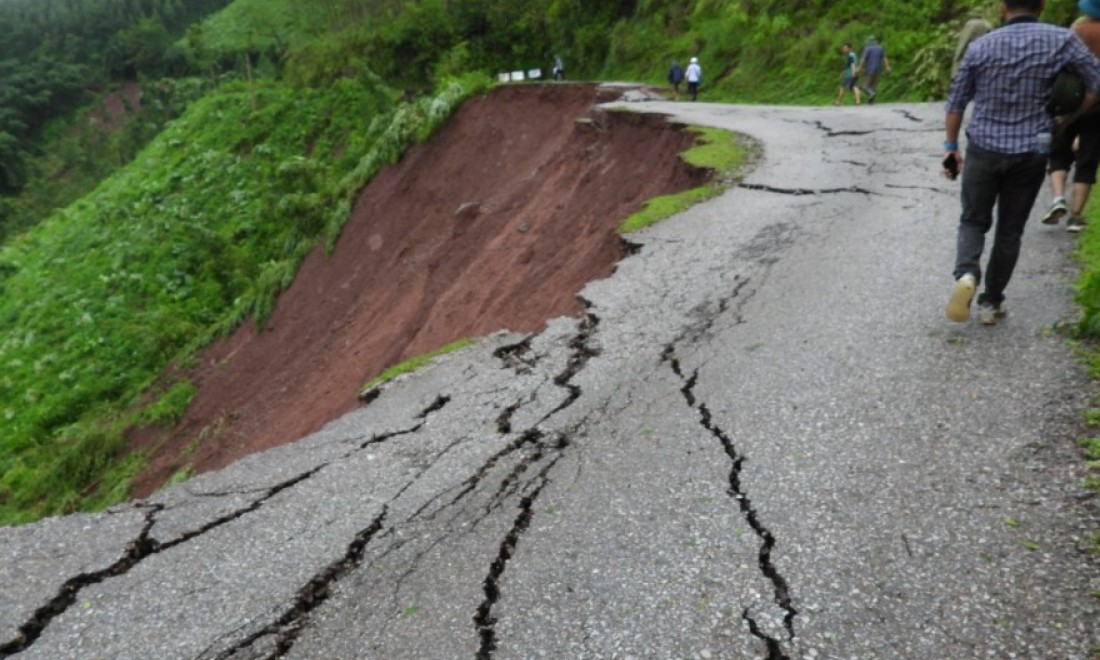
(762, 440)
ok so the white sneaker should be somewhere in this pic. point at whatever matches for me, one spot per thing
(990, 314)
(1057, 209)
(958, 306)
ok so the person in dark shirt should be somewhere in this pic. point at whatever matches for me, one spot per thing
(675, 77)
(1009, 75)
(872, 64)
(1086, 133)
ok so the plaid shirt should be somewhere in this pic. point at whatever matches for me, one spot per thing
(1009, 74)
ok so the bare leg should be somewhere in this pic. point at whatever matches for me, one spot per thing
(1080, 196)
(1058, 183)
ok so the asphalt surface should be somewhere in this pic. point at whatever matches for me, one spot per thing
(764, 440)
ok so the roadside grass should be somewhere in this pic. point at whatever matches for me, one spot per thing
(410, 365)
(727, 154)
(1087, 331)
(197, 235)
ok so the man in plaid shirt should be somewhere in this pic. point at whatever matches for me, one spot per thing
(1009, 75)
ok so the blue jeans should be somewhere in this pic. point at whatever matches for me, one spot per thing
(1011, 182)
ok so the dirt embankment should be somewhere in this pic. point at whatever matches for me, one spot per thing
(497, 222)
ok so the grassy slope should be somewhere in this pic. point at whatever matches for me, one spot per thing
(786, 51)
(204, 228)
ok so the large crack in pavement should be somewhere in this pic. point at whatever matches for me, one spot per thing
(831, 133)
(799, 192)
(141, 548)
(484, 619)
(581, 351)
(137, 550)
(286, 629)
(736, 491)
(289, 625)
(145, 545)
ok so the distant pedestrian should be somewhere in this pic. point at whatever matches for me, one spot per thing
(694, 76)
(675, 77)
(1009, 75)
(559, 68)
(872, 64)
(848, 75)
(974, 28)
(1085, 159)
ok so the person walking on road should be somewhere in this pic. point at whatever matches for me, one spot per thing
(559, 68)
(675, 77)
(1086, 132)
(1009, 75)
(974, 28)
(694, 76)
(848, 75)
(872, 64)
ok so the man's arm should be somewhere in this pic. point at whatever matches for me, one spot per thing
(952, 124)
(1087, 103)
(1087, 67)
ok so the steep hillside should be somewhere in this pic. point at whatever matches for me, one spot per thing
(201, 231)
(496, 223)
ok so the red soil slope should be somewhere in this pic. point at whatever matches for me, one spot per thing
(117, 107)
(497, 222)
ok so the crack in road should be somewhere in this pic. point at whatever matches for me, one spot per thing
(436, 406)
(518, 356)
(290, 624)
(736, 490)
(484, 619)
(909, 115)
(137, 550)
(830, 133)
(145, 546)
(440, 402)
(504, 420)
(581, 351)
(798, 192)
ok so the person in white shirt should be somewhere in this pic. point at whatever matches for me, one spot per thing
(694, 76)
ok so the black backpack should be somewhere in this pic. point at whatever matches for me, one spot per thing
(1067, 93)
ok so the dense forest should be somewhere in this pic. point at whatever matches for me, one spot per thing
(125, 250)
(54, 52)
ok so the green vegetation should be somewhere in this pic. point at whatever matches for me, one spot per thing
(721, 151)
(412, 364)
(202, 230)
(52, 50)
(124, 251)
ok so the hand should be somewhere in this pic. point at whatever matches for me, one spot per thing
(1062, 121)
(952, 164)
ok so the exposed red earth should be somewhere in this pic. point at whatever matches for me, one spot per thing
(117, 107)
(496, 223)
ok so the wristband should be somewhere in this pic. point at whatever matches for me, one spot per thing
(951, 146)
